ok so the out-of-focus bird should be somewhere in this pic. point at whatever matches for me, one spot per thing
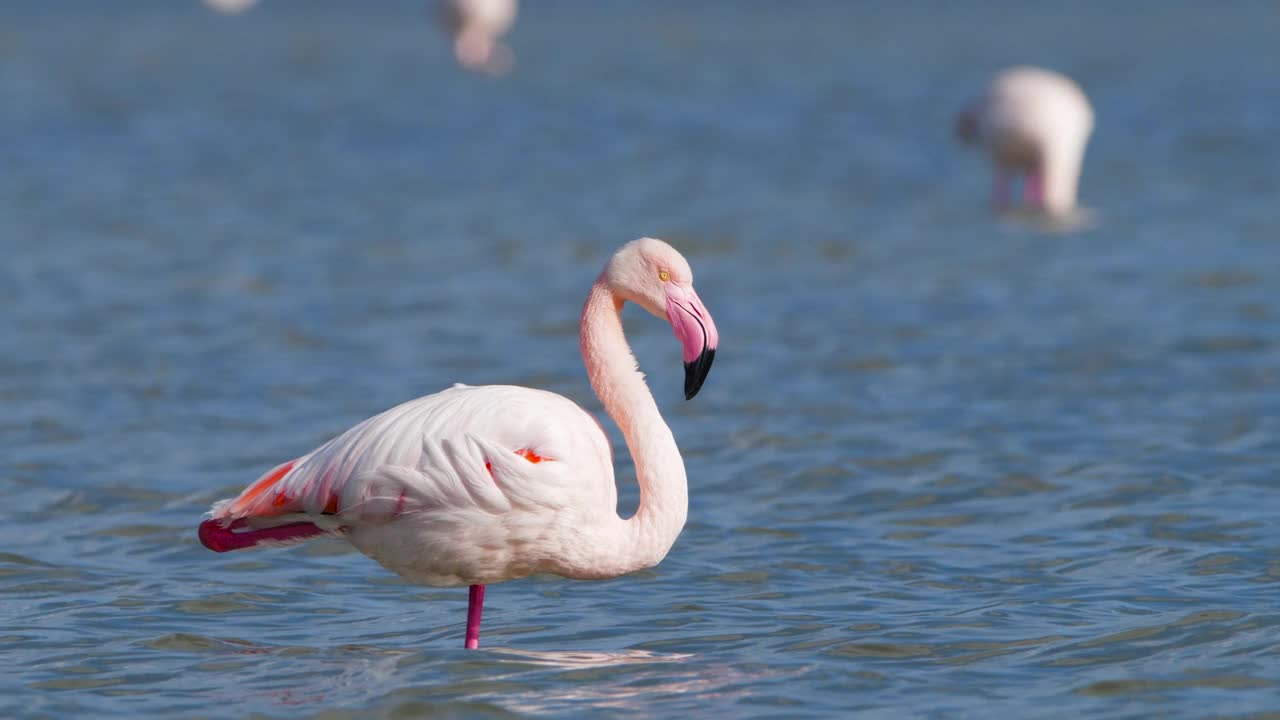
(476, 27)
(1034, 123)
(230, 7)
(476, 485)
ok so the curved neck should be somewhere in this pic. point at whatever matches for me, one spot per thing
(664, 494)
(1061, 176)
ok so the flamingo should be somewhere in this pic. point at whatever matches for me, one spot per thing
(1036, 123)
(475, 26)
(476, 485)
(230, 7)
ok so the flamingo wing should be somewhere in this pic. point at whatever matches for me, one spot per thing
(492, 450)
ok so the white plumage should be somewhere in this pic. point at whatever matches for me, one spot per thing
(496, 16)
(427, 488)
(230, 7)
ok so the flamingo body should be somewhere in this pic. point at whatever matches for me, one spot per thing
(496, 16)
(230, 7)
(476, 27)
(1035, 123)
(441, 489)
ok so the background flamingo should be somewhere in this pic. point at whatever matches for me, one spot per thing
(476, 485)
(476, 26)
(1034, 123)
(230, 7)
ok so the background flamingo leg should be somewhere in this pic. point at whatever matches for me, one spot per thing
(1033, 190)
(475, 605)
(1001, 190)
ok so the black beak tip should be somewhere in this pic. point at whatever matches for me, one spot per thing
(696, 372)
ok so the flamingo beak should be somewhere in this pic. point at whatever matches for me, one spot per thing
(696, 332)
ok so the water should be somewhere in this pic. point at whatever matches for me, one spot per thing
(945, 466)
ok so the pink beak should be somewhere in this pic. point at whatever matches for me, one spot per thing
(696, 332)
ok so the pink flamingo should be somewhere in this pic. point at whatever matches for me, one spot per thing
(476, 26)
(1035, 123)
(476, 485)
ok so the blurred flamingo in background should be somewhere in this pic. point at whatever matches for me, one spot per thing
(230, 7)
(1035, 123)
(476, 485)
(476, 26)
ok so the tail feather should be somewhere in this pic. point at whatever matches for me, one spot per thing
(263, 515)
(242, 504)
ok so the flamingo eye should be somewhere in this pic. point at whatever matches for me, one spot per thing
(664, 275)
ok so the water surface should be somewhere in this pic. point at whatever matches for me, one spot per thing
(946, 465)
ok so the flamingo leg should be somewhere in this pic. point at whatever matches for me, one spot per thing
(1033, 189)
(1001, 190)
(475, 604)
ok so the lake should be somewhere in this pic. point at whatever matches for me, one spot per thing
(947, 465)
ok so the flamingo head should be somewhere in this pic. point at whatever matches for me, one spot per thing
(653, 275)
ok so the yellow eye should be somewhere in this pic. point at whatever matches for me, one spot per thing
(663, 275)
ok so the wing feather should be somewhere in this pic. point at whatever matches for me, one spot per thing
(463, 448)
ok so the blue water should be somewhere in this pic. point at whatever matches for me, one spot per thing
(946, 465)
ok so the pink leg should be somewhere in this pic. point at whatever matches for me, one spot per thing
(475, 603)
(1033, 190)
(1001, 190)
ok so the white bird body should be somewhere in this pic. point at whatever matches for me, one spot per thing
(477, 485)
(1036, 123)
(230, 7)
(440, 489)
(496, 16)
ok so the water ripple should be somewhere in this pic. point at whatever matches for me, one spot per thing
(946, 466)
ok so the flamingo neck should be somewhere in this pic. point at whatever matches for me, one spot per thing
(1060, 176)
(664, 495)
